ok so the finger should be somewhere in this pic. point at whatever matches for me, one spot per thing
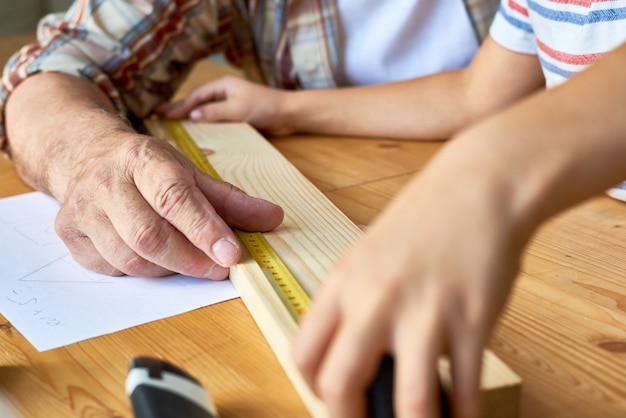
(349, 368)
(177, 110)
(353, 357)
(418, 344)
(225, 111)
(316, 330)
(238, 209)
(112, 256)
(82, 249)
(466, 362)
(210, 92)
(167, 231)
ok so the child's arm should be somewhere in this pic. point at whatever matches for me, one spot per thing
(433, 273)
(433, 107)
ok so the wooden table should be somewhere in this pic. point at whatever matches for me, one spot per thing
(563, 332)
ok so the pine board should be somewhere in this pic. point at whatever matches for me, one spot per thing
(314, 233)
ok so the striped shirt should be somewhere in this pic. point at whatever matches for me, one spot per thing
(566, 35)
(139, 51)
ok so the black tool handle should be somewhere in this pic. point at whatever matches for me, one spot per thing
(380, 393)
(158, 389)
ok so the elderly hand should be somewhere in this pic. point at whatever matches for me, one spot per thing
(139, 207)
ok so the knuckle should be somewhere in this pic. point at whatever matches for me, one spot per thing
(135, 155)
(100, 177)
(62, 226)
(133, 148)
(80, 202)
(103, 180)
(134, 265)
(149, 238)
(202, 229)
(170, 197)
(65, 229)
(138, 157)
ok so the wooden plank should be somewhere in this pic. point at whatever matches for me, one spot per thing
(10, 184)
(312, 236)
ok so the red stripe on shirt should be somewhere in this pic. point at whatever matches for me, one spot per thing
(585, 3)
(171, 24)
(564, 57)
(518, 8)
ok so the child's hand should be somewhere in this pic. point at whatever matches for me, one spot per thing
(429, 278)
(232, 99)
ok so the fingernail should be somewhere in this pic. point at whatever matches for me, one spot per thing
(195, 114)
(226, 253)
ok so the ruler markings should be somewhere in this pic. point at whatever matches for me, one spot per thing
(289, 289)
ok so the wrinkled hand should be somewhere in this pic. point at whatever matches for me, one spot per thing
(232, 99)
(429, 278)
(139, 207)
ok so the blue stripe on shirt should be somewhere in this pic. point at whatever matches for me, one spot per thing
(596, 16)
(514, 21)
(548, 66)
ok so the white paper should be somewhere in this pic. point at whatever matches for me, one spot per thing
(53, 301)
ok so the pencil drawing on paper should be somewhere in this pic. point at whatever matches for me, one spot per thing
(54, 262)
(41, 234)
(56, 271)
(54, 301)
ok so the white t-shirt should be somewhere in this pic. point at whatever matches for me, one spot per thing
(390, 40)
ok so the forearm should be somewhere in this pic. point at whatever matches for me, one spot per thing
(550, 151)
(433, 107)
(56, 123)
(435, 111)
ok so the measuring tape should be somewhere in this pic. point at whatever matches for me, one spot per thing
(284, 283)
(380, 400)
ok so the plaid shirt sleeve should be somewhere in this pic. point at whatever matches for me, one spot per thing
(136, 51)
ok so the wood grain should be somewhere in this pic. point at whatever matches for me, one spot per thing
(313, 235)
(563, 331)
(220, 345)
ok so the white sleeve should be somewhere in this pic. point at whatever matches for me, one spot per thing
(512, 29)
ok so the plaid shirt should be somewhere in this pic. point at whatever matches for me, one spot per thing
(139, 51)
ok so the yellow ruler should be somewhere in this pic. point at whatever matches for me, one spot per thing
(292, 294)
(287, 286)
